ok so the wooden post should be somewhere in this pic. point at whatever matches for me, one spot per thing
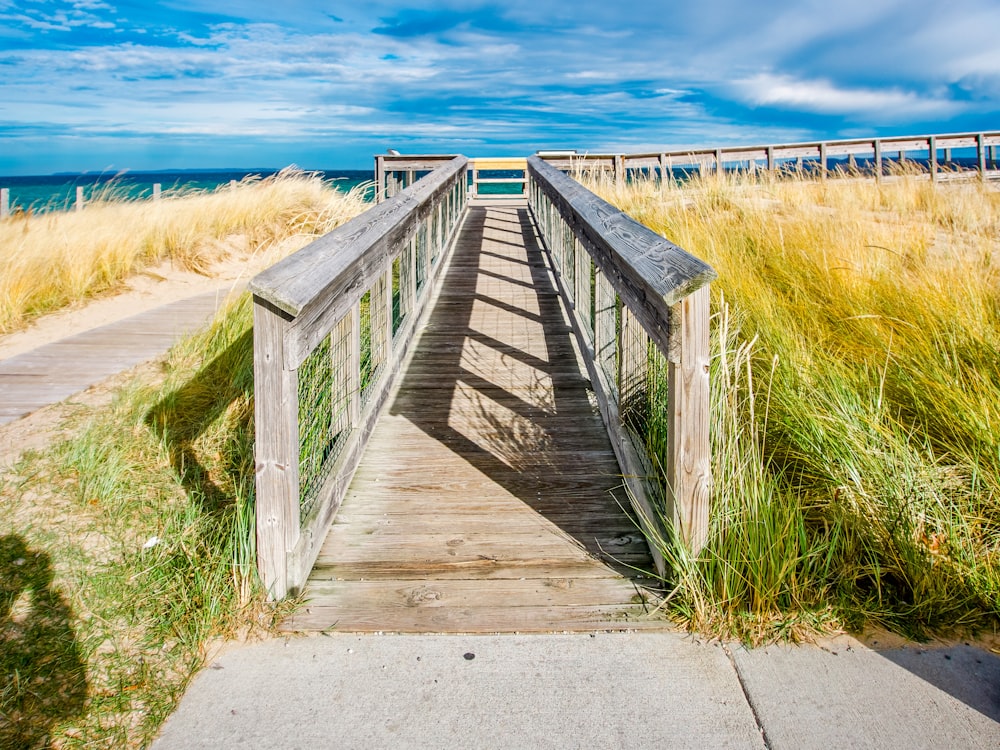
(475, 182)
(902, 158)
(156, 191)
(379, 178)
(822, 161)
(718, 163)
(276, 450)
(981, 155)
(79, 198)
(852, 163)
(4, 203)
(932, 163)
(947, 156)
(878, 161)
(770, 158)
(618, 167)
(689, 464)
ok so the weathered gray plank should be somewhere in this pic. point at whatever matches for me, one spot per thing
(486, 467)
(276, 454)
(648, 272)
(58, 370)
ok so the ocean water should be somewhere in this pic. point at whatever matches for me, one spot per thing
(57, 192)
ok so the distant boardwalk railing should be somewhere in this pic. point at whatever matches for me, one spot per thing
(934, 153)
(640, 308)
(937, 155)
(332, 325)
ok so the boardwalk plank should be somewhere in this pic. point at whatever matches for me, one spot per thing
(489, 498)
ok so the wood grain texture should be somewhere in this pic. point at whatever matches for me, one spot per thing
(345, 262)
(689, 460)
(489, 498)
(276, 456)
(56, 371)
(648, 272)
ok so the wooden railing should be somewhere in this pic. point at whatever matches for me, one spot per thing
(394, 172)
(641, 313)
(935, 150)
(332, 326)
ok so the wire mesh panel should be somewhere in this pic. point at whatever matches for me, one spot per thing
(324, 410)
(633, 358)
(402, 297)
(374, 337)
(657, 435)
(606, 317)
(584, 293)
(567, 245)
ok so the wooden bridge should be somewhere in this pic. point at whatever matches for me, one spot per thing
(466, 408)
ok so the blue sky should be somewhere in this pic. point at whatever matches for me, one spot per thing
(103, 85)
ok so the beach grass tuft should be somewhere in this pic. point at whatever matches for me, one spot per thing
(127, 548)
(855, 402)
(58, 259)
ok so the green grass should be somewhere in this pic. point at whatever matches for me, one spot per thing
(127, 548)
(139, 530)
(856, 404)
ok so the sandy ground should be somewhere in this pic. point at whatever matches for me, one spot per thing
(152, 288)
(156, 286)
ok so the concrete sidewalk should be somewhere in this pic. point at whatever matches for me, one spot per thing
(625, 690)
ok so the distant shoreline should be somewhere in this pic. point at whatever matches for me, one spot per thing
(57, 192)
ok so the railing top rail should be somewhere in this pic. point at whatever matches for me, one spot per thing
(313, 273)
(398, 162)
(650, 273)
(905, 140)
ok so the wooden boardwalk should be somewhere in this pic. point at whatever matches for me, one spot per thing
(489, 499)
(55, 371)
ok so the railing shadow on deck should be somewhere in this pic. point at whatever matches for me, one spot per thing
(522, 430)
(334, 322)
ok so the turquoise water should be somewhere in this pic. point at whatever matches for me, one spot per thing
(58, 192)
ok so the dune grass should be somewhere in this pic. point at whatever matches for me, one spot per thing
(127, 548)
(856, 402)
(58, 259)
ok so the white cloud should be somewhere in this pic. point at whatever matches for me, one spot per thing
(825, 97)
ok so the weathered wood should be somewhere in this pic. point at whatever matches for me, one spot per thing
(4, 203)
(689, 458)
(981, 155)
(486, 469)
(494, 619)
(932, 159)
(42, 376)
(276, 450)
(648, 272)
(342, 267)
(380, 178)
(313, 276)
(290, 543)
(499, 163)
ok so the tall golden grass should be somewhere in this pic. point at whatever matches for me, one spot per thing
(58, 259)
(856, 400)
(143, 512)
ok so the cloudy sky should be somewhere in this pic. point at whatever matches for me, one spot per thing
(125, 84)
